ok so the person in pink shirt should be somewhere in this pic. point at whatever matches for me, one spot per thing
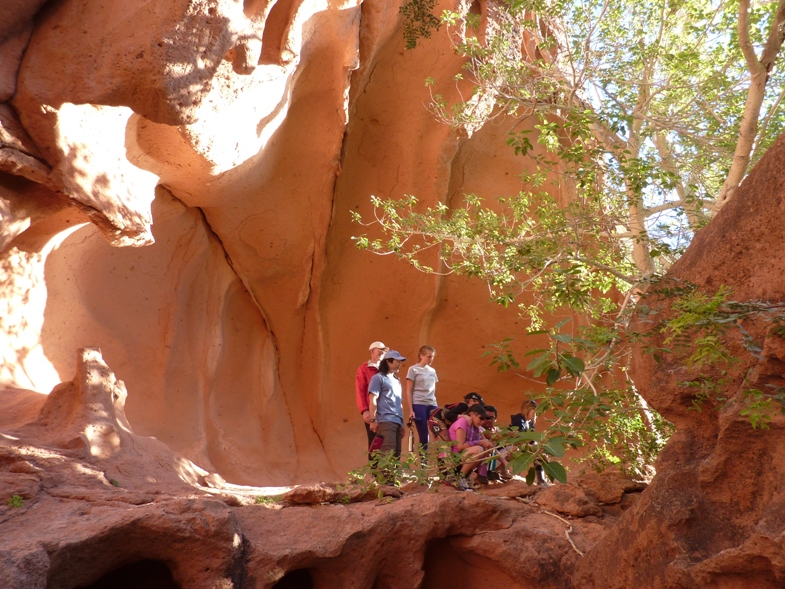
(469, 441)
(361, 381)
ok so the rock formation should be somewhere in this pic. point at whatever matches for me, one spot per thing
(176, 180)
(712, 516)
(229, 142)
(85, 502)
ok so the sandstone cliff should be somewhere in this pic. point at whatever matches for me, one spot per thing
(177, 181)
(85, 502)
(175, 188)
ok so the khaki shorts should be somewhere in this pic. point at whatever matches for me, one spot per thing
(391, 432)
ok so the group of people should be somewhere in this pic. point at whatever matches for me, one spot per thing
(470, 425)
(379, 396)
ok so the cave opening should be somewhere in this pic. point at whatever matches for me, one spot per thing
(296, 579)
(144, 574)
(446, 567)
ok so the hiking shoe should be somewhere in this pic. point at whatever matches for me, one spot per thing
(450, 480)
(494, 476)
(482, 479)
(464, 484)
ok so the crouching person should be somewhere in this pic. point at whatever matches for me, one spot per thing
(497, 467)
(469, 441)
(386, 407)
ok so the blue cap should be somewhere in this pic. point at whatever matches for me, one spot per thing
(394, 355)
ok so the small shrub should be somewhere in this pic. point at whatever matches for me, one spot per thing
(265, 500)
(16, 501)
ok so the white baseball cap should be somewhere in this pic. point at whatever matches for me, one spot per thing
(377, 345)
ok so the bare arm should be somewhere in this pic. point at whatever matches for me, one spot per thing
(410, 396)
(372, 412)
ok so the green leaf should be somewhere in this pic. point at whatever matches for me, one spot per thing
(537, 351)
(528, 437)
(556, 471)
(554, 448)
(521, 463)
(573, 364)
(540, 364)
(552, 376)
(530, 476)
(537, 332)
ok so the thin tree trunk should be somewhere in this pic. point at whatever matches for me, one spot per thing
(759, 70)
(693, 208)
(640, 240)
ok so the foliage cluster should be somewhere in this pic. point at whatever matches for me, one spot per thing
(698, 336)
(636, 105)
(524, 451)
(633, 117)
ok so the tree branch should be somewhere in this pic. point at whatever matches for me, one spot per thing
(743, 28)
(765, 126)
(776, 38)
(748, 128)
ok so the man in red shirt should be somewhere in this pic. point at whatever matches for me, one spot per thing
(364, 374)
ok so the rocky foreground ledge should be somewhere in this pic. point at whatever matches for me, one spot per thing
(86, 503)
(74, 530)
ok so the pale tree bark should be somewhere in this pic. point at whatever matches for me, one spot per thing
(692, 208)
(759, 71)
(637, 213)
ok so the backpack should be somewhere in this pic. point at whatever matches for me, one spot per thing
(440, 421)
(522, 424)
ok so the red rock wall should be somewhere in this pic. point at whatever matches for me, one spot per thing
(234, 163)
(713, 515)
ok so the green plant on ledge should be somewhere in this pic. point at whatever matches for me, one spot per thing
(546, 448)
(266, 500)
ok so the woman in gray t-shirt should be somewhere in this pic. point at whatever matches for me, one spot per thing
(421, 382)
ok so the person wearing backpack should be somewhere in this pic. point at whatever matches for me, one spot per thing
(421, 382)
(386, 403)
(440, 420)
(525, 421)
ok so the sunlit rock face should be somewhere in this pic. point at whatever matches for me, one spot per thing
(176, 188)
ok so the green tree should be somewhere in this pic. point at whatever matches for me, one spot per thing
(647, 112)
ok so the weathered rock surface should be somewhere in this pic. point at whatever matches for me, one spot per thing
(713, 515)
(426, 540)
(232, 141)
(84, 499)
